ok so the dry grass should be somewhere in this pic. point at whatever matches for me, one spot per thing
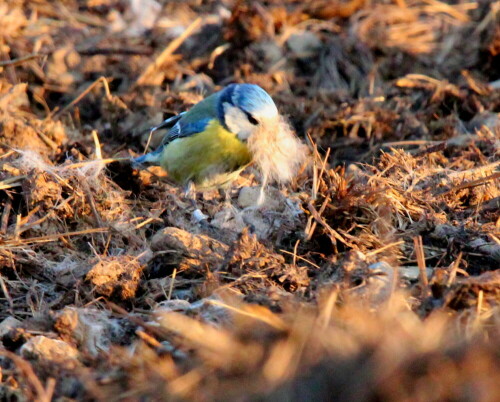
(372, 276)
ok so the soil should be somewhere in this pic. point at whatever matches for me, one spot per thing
(373, 275)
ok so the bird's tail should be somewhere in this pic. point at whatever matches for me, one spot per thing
(152, 157)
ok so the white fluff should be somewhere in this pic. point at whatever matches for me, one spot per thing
(91, 170)
(276, 150)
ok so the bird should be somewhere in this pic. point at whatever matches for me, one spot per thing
(209, 145)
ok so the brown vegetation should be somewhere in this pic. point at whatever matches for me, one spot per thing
(373, 276)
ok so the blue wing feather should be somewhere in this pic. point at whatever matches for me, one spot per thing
(185, 124)
(170, 122)
(179, 130)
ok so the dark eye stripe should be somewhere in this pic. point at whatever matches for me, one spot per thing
(251, 119)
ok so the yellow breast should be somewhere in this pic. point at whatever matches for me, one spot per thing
(212, 158)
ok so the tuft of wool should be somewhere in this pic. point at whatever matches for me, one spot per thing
(92, 171)
(277, 151)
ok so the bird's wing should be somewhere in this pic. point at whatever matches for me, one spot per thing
(154, 156)
(185, 129)
(169, 123)
(194, 121)
(183, 125)
(179, 130)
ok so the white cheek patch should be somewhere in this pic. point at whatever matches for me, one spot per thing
(237, 121)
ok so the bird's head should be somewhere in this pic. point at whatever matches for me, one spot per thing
(245, 109)
(249, 112)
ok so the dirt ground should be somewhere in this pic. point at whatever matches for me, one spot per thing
(372, 276)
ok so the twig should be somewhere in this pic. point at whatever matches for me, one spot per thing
(379, 250)
(97, 144)
(83, 94)
(52, 237)
(322, 222)
(6, 293)
(5, 215)
(438, 6)
(113, 51)
(479, 306)
(325, 314)
(301, 258)
(495, 239)
(454, 269)
(7, 154)
(12, 182)
(295, 252)
(216, 53)
(409, 142)
(323, 166)
(49, 389)
(475, 171)
(78, 165)
(51, 144)
(474, 183)
(146, 78)
(171, 288)
(44, 217)
(419, 252)
(90, 200)
(20, 60)
(311, 226)
(148, 142)
(153, 342)
(272, 319)
(145, 222)
(27, 372)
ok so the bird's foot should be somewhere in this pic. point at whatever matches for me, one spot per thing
(190, 193)
(199, 216)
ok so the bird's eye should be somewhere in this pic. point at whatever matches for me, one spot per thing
(251, 119)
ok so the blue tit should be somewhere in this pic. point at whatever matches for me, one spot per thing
(211, 144)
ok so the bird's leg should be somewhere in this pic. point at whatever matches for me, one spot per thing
(228, 206)
(262, 194)
(262, 197)
(190, 193)
(227, 196)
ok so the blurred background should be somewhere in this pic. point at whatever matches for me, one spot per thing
(373, 277)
